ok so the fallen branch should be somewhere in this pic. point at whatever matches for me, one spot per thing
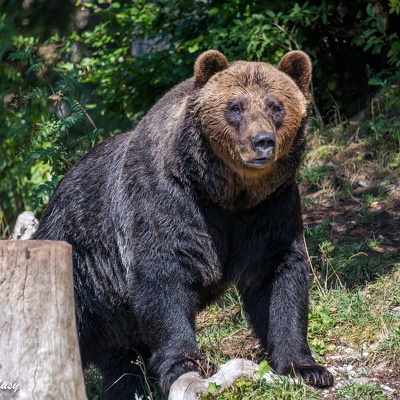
(191, 386)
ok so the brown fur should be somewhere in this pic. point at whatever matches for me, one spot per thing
(207, 65)
(256, 87)
(298, 66)
(233, 83)
(200, 195)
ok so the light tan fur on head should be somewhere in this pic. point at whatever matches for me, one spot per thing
(240, 100)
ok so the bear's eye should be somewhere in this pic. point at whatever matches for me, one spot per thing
(276, 108)
(277, 112)
(234, 113)
(235, 108)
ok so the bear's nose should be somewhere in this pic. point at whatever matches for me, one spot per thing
(264, 141)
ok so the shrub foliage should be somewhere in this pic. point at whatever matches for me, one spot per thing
(68, 82)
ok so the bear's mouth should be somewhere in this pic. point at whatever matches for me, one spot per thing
(258, 162)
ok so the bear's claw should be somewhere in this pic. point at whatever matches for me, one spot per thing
(315, 375)
(195, 363)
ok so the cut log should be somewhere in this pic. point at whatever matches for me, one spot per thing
(191, 386)
(39, 353)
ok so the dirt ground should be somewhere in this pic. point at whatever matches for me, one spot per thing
(382, 217)
(352, 219)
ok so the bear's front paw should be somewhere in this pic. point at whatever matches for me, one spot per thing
(315, 375)
(192, 362)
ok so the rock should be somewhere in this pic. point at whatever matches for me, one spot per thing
(348, 358)
(380, 367)
(387, 388)
(25, 226)
(361, 381)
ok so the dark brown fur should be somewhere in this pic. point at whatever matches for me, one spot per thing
(201, 195)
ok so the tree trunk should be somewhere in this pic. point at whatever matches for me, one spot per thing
(39, 353)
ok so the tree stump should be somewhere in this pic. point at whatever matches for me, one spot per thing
(39, 353)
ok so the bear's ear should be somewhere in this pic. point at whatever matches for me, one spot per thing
(208, 64)
(298, 66)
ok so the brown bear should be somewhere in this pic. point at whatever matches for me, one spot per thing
(201, 195)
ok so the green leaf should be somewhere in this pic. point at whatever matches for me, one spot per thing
(33, 68)
(263, 368)
(22, 55)
(213, 12)
(241, 383)
(213, 388)
(192, 49)
(370, 11)
(270, 14)
(368, 46)
(332, 85)
(380, 24)
(375, 81)
(76, 70)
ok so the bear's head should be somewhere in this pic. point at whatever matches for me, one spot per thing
(250, 111)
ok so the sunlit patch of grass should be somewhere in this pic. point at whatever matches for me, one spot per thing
(282, 389)
(368, 199)
(356, 391)
(346, 264)
(359, 317)
(315, 175)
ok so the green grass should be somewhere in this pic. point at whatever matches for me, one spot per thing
(358, 318)
(283, 389)
(357, 391)
(315, 174)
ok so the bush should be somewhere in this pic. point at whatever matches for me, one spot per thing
(96, 75)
